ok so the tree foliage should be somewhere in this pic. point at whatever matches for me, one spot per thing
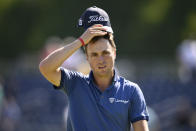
(141, 28)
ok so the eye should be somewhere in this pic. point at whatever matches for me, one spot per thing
(94, 54)
(106, 52)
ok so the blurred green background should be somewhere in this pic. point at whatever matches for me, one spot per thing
(148, 34)
(150, 28)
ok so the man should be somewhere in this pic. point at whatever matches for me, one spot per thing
(101, 101)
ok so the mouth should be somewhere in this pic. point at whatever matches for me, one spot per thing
(101, 67)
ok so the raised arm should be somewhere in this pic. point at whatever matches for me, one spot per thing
(49, 67)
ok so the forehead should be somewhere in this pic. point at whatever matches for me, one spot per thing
(99, 46)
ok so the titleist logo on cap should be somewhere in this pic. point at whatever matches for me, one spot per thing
(97, 18)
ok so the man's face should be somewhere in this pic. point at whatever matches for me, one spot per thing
(101, 57)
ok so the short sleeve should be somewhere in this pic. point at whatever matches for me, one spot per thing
(67, 79)
(138, 109)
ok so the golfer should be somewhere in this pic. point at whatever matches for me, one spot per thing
(102, 100)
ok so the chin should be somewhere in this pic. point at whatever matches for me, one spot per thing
(103, 73)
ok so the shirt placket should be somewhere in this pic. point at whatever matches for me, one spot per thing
(104, 96)
(97, 93)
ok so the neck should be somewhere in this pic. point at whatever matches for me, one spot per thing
(103, 82)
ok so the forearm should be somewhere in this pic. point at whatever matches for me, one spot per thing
(54, 60)
(141, 125)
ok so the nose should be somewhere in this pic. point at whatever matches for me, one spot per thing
(101, 59)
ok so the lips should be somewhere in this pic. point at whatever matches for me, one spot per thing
(102, 67)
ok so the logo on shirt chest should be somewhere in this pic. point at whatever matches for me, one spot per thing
(114, 100)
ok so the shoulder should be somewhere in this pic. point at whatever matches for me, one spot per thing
(70, 74)
(129, 86)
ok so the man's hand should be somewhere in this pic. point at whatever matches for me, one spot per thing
(95, 30)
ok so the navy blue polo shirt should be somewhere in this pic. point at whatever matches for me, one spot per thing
(121, 104)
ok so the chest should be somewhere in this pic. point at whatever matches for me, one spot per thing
(113, 103)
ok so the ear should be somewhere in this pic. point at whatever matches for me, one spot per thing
(86, 56)
(114, 53)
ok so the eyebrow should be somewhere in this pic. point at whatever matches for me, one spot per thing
(104, 51)
(93, 53)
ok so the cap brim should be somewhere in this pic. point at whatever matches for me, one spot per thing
(108, 29)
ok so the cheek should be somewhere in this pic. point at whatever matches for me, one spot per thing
(92, 62)
(110, 60)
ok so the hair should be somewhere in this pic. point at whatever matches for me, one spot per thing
(108, 36)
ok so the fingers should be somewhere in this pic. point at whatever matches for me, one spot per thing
(97, 27)
(98, 33)
(95, 30)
